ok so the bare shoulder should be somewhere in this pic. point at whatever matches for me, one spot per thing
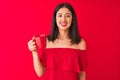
(82, 44)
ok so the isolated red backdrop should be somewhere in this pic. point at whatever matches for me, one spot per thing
(99, 24)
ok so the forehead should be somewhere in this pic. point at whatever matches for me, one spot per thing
(64, 10)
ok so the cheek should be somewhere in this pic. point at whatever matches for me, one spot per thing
(70, 21)
(57, 20)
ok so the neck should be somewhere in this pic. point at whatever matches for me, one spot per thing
(63, 35)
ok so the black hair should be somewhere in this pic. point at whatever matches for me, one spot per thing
(73, 30)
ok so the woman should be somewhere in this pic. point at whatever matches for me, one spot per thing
(62, 54)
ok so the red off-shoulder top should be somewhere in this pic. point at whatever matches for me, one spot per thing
(60, 63)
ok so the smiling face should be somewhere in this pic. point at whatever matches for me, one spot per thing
(63, 18)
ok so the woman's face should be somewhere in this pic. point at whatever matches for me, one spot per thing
(63, 18)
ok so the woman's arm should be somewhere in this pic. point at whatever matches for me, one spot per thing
(39, 69)
(82, 75)
(82, 46)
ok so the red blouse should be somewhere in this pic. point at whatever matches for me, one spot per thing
(61, 63)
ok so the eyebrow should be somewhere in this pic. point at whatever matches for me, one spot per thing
(61, 13)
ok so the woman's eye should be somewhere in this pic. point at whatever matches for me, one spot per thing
(67, 15)
(59, 15)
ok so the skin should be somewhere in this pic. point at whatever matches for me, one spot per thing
(63, 20)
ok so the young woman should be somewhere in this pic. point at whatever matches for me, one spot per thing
(62, 54)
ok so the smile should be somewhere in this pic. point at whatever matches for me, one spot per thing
(63, 23)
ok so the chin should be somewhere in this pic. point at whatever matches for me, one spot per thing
(64, 28)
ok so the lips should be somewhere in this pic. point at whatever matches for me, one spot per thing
(63, 23)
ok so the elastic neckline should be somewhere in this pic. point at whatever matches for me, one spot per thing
(64, 48)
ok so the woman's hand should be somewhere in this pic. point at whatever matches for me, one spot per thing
(32, 45)
(39, 69)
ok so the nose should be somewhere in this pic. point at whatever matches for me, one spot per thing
(63, 19)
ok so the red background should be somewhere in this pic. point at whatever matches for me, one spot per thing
(99, 24)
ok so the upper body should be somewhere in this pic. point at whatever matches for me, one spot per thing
(64, 34)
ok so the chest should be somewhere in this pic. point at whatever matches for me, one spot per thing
(61, 44)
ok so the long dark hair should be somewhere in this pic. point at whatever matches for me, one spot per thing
(73, 30)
